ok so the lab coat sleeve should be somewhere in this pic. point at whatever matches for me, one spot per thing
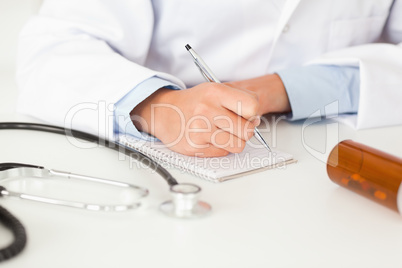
(380, 67)
(122, 120)
(76, 60)
(328, 90)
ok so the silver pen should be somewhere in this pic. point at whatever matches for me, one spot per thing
(209, 76)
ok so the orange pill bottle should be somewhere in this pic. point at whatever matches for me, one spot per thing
(368, 172)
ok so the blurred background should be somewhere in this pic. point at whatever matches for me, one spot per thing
(13, 15)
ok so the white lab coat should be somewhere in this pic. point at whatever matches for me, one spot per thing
(77, 58)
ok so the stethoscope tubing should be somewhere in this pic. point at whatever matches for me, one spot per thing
(15, 226)
(92, 138)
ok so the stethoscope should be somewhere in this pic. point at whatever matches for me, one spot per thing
(185, 201)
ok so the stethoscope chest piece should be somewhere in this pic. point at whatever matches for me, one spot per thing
(185, 203)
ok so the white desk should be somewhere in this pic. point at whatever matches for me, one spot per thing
(295, 217)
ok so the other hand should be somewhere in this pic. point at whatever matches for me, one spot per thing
(270, 90)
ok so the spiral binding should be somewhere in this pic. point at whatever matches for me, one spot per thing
(170, 159)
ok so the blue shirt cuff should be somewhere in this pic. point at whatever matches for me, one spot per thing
(329, 89)
(122, 119)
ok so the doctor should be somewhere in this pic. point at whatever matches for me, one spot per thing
(109, 67)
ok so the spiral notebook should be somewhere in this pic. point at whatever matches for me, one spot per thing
(254, 158)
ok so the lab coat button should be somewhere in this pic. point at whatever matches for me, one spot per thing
(286, 28)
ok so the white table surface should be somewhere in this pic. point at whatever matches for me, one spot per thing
(293, 217)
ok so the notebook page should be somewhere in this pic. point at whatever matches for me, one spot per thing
(163, 155)
(214, 169)
(252, 158)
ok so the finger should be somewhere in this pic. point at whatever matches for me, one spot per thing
(200, 127)
(211, 151)
(227, 141)
(200, 140)
(239, 101)
(208, 150)
(235, 124)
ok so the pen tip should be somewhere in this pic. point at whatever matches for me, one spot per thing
(188, 47)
